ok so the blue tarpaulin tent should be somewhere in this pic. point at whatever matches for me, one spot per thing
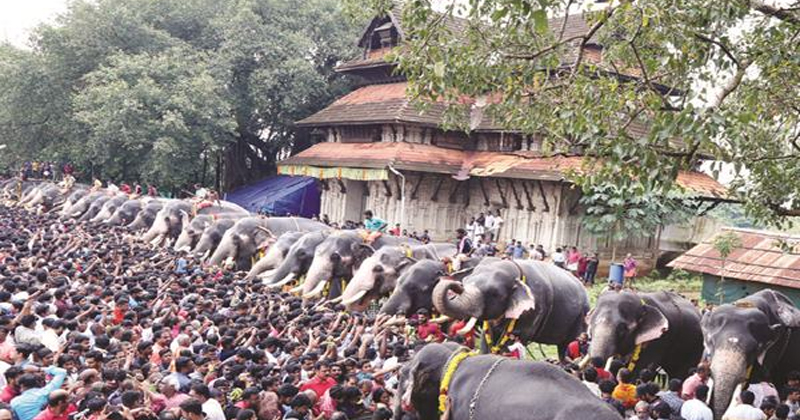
(279, 195)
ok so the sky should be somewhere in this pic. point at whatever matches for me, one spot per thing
(18, 17)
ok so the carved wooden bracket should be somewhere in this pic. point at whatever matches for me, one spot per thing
(416, 186)
(386, 188)
(399, 187)
(574, 207)
(435, 195)
(544, 197)
(500, 191)
(516, 194)
(452, 198)
(531, 207)
(483, 190)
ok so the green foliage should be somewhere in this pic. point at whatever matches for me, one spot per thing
(726, 243)
(623, 210)
(163, 90)
(678, 81)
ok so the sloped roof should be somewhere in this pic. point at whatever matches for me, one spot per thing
(375, 104)
(433, 159)
(760, 259)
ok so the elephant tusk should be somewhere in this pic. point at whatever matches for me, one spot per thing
(467, 328)
(283, 281)
(608, 363)
(335, 301)
(316, 292)
(157, 240)
(710, 390)
(355, 298)
(265, 275)
(184, 248)
(269, 232)
(297, 289)
(205, 255)
(585, 361)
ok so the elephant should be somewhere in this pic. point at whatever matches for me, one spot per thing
(127, 212)
(144, 219)
(276, 252)
(81, 206)
(212, 235)
(94, 207)
(415, 286)
(377, 275)
(663, 326)
(192, 231)
(543, 303)
(491, 387)
(46, 194)
(109, 208)
(170, 219)
(72, 199)
(752, 339)
(339, 255)
(297, 260)
(249, 234)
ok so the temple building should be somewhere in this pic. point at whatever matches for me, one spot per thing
(380, 152)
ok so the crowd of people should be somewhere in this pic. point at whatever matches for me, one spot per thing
(45, 170)
(96, 325)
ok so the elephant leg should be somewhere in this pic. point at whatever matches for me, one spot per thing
(562, 351)
(483, 346)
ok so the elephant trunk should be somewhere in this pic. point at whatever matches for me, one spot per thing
(728, 369)
(467, 303)
(397, 304)
(272, 259)
(184, 240)
(602, 344)
(363, 282)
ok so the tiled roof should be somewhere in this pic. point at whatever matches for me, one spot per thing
(428, 158)
(759, 259)
(375, 104)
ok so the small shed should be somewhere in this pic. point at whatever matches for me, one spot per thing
(765, 260)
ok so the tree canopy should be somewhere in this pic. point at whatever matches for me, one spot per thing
(172, 91)
(697, 80)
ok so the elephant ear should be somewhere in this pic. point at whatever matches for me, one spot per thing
(786, 311)
(521, 300)
(652, 325)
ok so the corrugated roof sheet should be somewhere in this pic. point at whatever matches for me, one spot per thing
(760, 259)
(428, 158)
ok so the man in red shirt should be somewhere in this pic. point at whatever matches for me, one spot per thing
(321, 382)
(426, 329)
(578, 348)
(58, 407)
(10, 390)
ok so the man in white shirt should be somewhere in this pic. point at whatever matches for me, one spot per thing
(211, 407)
(745, 410)
(696, 409)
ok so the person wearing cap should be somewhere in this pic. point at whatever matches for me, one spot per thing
(28, 404)
(58, 407)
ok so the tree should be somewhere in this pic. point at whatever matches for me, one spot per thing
(173, 91)
(620, 212)
(676, 81)
(725, 244)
